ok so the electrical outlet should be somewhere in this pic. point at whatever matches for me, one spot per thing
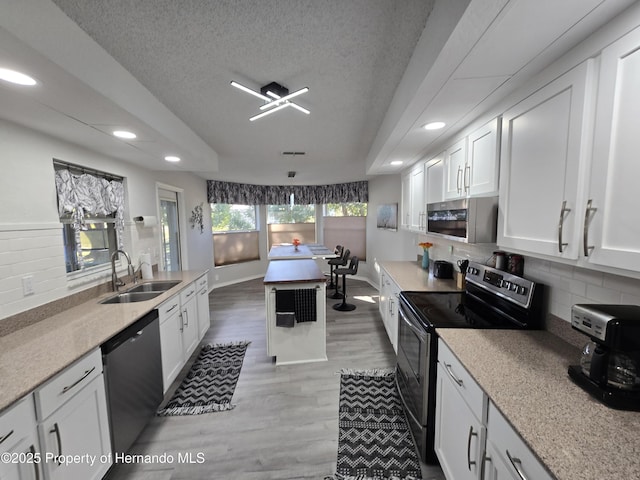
(27, 285)
(217, 277)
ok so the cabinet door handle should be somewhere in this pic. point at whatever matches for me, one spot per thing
(32, 451)
(517, 465)
(186, 316)
(56, 430)
(85, 375)
(2, 439)
(453, 377)
(471, 434)
(181, 322)
(588, 215)
(564, 210)
(467, 177)
(173, 307)
(459, 180)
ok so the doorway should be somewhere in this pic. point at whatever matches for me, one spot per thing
(170, 230)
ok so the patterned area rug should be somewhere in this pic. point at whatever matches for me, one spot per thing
(374, 440)
(209, 385)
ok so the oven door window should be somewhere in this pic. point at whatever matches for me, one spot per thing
(413, 353)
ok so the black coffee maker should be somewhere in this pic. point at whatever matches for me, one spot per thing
(610, 364)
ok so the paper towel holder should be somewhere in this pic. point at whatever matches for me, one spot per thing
(146, 220)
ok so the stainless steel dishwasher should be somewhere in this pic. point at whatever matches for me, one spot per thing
(133, 378)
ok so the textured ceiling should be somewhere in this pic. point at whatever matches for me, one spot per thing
(351, 54)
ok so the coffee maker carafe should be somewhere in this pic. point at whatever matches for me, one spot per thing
(610, 364)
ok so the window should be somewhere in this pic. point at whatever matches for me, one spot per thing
(345, 224)
(91, 209)
(286, 222)
(232, 218)
(235, 235)
(90, 247)
(354, 209)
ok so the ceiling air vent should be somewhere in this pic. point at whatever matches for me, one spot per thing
(291, 174)
(293, 154)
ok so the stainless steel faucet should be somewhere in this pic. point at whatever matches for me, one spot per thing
(115, 281)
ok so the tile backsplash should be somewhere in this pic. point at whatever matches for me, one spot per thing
(565, 285)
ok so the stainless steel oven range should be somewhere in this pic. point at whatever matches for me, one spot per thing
(492, 299)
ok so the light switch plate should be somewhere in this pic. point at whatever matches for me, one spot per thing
(27, 285)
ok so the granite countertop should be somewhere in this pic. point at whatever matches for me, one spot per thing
(410, 276)
(32, 355)
(524, 373)
(293, 271)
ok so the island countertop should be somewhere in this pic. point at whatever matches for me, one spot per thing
(524, 373)
(293, 271)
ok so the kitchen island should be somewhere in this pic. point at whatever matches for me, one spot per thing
(295, 302)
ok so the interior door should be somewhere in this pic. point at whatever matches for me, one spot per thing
(170, 231)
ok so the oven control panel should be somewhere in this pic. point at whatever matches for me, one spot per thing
(516, 289)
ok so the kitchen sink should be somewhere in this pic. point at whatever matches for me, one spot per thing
(159, 286)
(130, 297)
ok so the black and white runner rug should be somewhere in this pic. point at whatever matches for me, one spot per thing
(374, 440)
(209, 385)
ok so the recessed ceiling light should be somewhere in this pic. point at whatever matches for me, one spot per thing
(124, 134)
(172, 158)
(397, 162)
(434, 126)
(16, 77)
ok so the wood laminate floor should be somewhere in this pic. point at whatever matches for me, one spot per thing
(285, 424)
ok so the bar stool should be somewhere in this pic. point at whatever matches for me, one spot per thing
(352, 270)
(346, 253)
(334, 262)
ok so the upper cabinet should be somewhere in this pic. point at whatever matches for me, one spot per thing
(413, 199)
(541, 171)
(455, 161)
(471, 165)
(434, 180)
(611, 231)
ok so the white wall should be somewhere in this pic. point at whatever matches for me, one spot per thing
(30, 231)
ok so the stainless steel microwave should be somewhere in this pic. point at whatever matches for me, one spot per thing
(469, 220)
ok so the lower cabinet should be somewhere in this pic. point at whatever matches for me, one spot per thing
(71, 410)
(181, 328)
(473, 440)
(508, 457)
(204, 315)
(389, 303)
(460, 431)
(19, 437)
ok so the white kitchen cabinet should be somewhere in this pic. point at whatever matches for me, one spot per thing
(480, 175)
(405, 204)
(171, 340)
(612, 219)
(460, 433)
(189, 309)
(19, 437)
(204, 315)
(543, 166)
(413, 199)
(389, 303)
(507, 456)
(434, 180)
(455, 160)
(72, 419)
(417, 198)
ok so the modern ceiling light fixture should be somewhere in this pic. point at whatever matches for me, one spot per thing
(172, 158)
(276, 97)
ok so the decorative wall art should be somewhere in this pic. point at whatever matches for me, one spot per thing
(387, 216)
(196, 218)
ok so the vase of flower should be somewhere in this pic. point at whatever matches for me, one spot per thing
(296, 242)
(425, 254)
(425, 259)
